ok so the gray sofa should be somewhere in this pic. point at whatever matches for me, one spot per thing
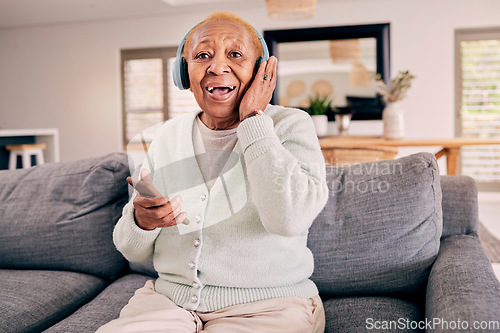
(396, 249)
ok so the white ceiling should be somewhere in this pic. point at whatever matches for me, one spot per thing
(19, 13)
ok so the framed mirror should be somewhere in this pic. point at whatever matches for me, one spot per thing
(337, 62)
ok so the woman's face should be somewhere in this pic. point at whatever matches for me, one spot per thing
(221, 58)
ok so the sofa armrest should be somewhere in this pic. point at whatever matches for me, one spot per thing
(460, 209)
(462, 286)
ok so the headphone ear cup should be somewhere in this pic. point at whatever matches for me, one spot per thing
(176, 73)
(257, 65)
(184, 74)
(259, 61)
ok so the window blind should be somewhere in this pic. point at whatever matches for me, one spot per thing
(149, 95)
(179, 101)
(480, 104)
(143, 94)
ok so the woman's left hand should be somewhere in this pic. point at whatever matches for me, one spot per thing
(261, 90)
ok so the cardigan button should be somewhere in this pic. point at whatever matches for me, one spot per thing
(196, 285)
(191, 265)
(203, 197)
(194, 299)
(196, 242)
(198, 219)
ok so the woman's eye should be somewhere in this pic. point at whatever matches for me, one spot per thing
(235, 54)
(202, 56)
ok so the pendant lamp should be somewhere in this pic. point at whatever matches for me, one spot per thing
(290, 9)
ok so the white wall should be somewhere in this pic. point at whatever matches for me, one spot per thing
(68, 76)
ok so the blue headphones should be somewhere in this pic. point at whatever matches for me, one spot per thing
(180, 69)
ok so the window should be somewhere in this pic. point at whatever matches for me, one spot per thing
(149, 95)
(478, 102)
(179, 101)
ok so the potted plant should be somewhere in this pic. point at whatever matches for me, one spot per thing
(392, 94)
(318, 106)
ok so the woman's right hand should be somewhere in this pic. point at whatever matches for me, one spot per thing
(157, 212)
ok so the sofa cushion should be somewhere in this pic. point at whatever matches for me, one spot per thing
(380, 230)
(372, 314)
(33, 300)
(146, 268)
(62, 215)
(104, 308)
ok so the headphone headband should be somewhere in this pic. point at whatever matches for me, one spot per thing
(179, 70)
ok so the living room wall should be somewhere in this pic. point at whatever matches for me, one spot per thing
(67, 76)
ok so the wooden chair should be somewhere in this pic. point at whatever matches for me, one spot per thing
(345, 156)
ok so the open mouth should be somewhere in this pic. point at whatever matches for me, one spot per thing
(221, 90)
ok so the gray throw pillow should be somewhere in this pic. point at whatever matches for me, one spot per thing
(62, 215)
(380, 230)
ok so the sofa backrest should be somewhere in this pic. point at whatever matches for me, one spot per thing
(380, 230)
(61, 215)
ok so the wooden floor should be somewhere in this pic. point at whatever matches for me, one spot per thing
(489, 231)
(490, 243)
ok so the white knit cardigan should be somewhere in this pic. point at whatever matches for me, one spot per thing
(247, 236)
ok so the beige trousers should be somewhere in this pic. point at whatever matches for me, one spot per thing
(149, 311)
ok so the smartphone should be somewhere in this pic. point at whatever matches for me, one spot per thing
(144, 188)
(147, 189)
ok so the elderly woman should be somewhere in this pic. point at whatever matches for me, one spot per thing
(245, 181)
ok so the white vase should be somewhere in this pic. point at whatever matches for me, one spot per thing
(321, 124)
(393, 118)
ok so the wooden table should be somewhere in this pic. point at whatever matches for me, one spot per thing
(449, 147)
